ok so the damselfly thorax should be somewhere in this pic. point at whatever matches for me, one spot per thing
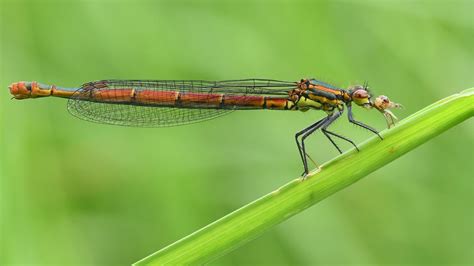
(161, 103)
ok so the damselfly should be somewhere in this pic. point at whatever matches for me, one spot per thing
(161, 103)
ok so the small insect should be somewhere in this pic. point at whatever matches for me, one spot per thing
(161, 103)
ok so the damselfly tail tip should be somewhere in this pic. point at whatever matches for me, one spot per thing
(19, 90)
(29, 89)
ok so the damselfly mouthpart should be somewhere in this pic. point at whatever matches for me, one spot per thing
(161, 103)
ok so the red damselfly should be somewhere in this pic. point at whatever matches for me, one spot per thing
(161, 103)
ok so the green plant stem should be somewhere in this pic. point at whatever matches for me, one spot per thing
(248, 222)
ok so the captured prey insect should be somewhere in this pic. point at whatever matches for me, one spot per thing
(160, 103)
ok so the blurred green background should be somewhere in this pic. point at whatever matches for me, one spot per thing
(79, 193)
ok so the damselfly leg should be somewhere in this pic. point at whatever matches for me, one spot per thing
(351, 119)
(323, 124)
(301, 147)
(327, 133)
(325, 121)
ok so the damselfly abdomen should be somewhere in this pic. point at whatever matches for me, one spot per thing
(161, 103)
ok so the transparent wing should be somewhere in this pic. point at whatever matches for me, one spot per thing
(113, 102)
(140, 116)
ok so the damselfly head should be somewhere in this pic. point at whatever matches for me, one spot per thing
(360, 96)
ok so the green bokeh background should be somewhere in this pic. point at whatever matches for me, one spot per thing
(79, 193)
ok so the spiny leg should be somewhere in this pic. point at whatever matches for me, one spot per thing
(327, 133)
(326, 124)
(351, 119)
(339, 136)
(303, 155)
(307, 134)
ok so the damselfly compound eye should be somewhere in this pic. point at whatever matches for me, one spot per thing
(360, 94)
